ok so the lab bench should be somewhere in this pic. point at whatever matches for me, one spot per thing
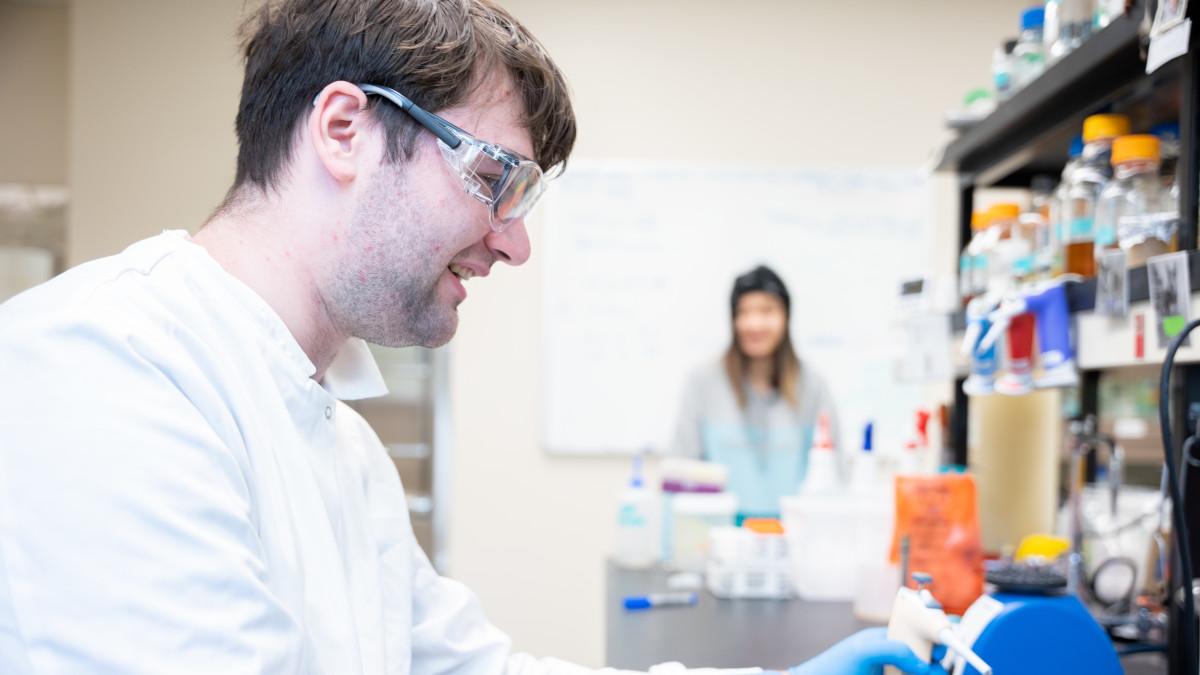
(774, 634)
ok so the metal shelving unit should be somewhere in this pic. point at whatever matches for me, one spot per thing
(1029, 135)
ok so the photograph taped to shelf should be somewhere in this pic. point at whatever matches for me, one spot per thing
(1112, 293)
(1168, 42)
(1170, 13)
(1170, 294)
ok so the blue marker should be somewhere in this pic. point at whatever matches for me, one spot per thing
(635, 603)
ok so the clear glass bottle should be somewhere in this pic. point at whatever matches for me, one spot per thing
(1087, 181)
(1132, 213)
(1168, 140)
(1006, 244)
(1105, 12)
(1038, 217)
(1059, 205)
(972, 264)
(1002, 70)
(1067, 25)
(1053, 29)
(1029, 54)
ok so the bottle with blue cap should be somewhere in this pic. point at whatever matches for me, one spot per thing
(864, 473)
(1029, 55)
(1059, 206)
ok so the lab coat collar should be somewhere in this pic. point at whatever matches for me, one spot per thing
(353, 373)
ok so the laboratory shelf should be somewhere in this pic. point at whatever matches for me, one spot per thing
(1030, 133)
(1081, 295)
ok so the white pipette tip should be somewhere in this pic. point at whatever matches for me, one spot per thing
(947, 637)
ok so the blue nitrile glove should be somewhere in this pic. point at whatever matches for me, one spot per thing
(866, 653)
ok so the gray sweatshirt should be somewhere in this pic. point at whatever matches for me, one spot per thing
(765, 446)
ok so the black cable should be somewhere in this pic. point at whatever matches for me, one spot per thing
(1141, 649)
(1177, 512)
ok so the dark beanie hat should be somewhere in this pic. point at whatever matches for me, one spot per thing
(761, 278)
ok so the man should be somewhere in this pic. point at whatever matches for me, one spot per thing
(181, 490)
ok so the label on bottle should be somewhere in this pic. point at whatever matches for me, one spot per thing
(630, 516)
(1080, 228)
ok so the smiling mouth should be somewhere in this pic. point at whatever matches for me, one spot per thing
(461, 272)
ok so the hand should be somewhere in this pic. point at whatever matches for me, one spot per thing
(865, 653)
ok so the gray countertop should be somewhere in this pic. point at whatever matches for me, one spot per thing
(717, 633)
(772, 634)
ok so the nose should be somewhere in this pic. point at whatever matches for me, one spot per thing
(511, 245)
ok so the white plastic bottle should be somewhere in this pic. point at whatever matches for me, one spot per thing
(637, 540)
(821, 477)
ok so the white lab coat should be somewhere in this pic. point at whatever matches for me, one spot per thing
(177, 495)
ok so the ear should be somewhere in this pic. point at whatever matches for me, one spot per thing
(337, 129)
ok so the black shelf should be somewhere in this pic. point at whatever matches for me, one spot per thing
(1030, 133)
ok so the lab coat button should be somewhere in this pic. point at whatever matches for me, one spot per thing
(328, 412)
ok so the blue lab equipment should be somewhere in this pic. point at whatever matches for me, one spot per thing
(1041, 635)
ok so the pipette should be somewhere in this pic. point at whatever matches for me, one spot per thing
(919, 622)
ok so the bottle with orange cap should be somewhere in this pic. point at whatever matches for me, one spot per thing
(1087, 181)
(972, 264)
(1133, 213)
(1008, 250)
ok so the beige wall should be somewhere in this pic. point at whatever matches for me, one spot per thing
(33, 88)
(153, 92)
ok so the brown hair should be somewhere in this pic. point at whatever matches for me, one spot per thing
(434, 52)
(785, 370)
(785, 365)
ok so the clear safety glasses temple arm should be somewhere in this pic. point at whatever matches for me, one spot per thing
(436, 125)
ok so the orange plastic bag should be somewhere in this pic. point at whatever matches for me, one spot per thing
(940, 517)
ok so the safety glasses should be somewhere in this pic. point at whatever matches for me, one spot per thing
(506, 182)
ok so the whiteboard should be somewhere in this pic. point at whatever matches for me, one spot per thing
(639, 263)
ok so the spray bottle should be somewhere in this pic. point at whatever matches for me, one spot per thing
(1047, 307)
(864, 478)
(1012, 319)
(919, 622)
(821, 477)
(981, 380)
(915, 459)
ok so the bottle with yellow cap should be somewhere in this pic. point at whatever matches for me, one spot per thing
(972, 264)
(1008, 251)
(1133, 212)
(1087, 181)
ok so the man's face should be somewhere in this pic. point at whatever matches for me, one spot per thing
(414, 235)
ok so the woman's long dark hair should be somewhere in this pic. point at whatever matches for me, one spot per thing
(785, 365)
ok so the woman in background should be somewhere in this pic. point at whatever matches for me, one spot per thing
(755, 409)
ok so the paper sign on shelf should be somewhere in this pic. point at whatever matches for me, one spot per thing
(1170, 294)
(1112, 293)
(1169, 44)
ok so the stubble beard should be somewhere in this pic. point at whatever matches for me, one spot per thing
(385, 289)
